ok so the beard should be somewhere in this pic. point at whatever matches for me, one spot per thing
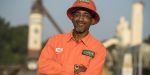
(79, 29)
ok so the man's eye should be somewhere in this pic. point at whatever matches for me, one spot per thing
(87, 16)
(76, 15)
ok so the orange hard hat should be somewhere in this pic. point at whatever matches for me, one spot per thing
(86, 4)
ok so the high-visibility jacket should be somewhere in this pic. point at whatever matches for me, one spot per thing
(62, 52)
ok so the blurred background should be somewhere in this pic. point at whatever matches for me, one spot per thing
(25, 26)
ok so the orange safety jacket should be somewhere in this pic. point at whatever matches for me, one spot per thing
(62, 52)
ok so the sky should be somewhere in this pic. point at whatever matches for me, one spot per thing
(17, 12)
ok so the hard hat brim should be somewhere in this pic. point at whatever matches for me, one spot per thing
(70, 13)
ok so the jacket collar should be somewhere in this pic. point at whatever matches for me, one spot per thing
(85, 40)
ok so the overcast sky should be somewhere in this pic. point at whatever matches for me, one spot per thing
(17, 12)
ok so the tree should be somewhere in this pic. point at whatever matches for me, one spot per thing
(13, 43)
(147, 40)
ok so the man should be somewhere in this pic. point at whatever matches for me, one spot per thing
(77, 52)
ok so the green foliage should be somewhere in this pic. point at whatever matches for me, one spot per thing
(147, 40)
(13, 43)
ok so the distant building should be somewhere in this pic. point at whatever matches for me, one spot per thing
(35, 34)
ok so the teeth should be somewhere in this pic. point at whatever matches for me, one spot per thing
(81, 23)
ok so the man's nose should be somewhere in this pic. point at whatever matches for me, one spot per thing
(81, 18)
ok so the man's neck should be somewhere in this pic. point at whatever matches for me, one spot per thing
(78, 36)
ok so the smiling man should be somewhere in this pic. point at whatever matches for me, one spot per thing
(77, 52)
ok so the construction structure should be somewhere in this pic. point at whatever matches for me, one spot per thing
(35, 34)
(127, 57)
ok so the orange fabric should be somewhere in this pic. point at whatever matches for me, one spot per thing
(61, 53)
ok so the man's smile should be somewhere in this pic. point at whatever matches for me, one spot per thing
(80, 24)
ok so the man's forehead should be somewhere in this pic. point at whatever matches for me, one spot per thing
(82, 10)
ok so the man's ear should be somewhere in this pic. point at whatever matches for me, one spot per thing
(71, 17)
(93, 21)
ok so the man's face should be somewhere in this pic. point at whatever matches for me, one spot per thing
(82, 20)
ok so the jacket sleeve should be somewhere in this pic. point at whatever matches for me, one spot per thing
(96, 64)
(47, 63)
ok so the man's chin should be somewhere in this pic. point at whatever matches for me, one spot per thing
(79, 31)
